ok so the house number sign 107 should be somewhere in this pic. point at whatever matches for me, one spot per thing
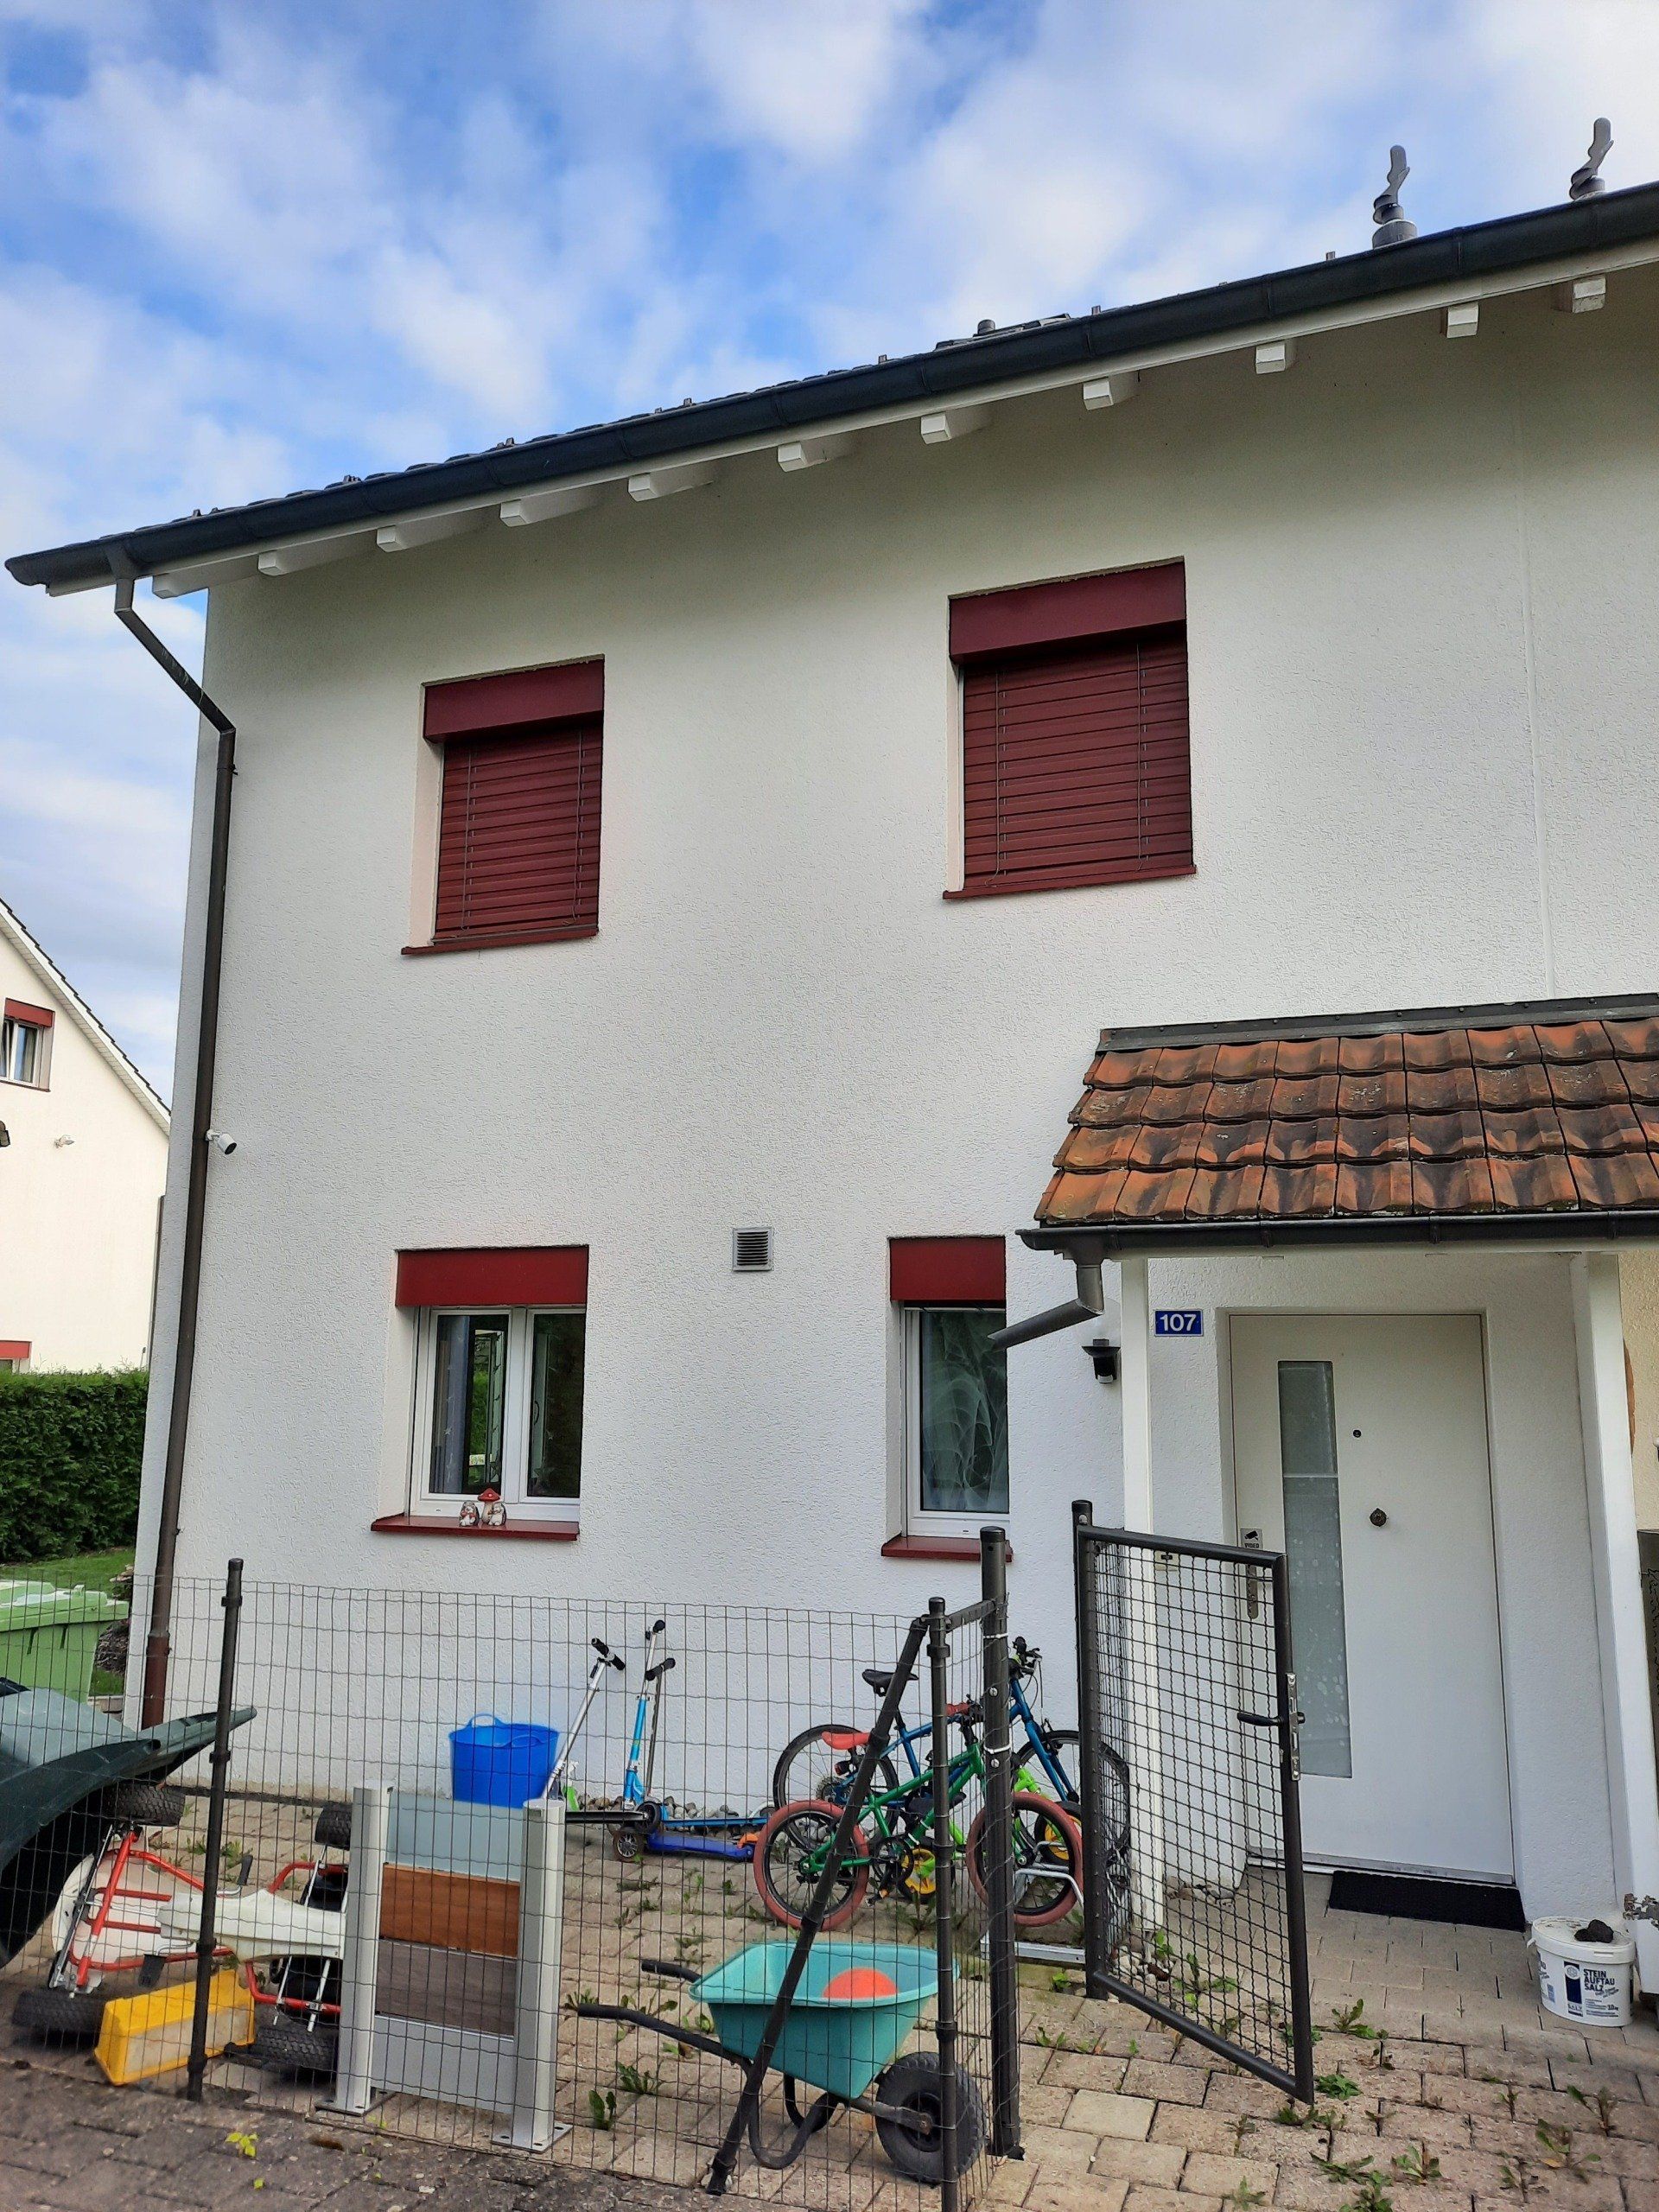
(1177, 1321)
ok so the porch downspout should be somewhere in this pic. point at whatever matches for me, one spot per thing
(158, 1641)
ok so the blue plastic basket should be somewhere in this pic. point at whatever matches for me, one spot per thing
(833, 2042)
(495, 1762)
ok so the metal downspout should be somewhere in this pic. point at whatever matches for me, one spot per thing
(158, 1641)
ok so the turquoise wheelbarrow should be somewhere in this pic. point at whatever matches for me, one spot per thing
(854, 2007)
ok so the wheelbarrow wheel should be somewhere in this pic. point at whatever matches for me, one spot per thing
(789, 1857)
(915, 2144)
(59, 2016)
(143, 1804)
(1047, 1860)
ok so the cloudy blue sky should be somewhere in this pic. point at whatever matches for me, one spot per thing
(248, 247)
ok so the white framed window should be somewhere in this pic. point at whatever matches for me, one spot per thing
(956, 1418)
(497, 1406)
(25, 1051)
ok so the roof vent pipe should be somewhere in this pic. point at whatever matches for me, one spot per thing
(1393, 227)
(1587, 180)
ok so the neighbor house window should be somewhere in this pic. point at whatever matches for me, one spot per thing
(949, 1297)
(500, 1343)
(14, 1355)
(25, 1044)
(1075, 763)
(518, 845)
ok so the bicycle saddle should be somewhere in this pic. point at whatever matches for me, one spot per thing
(880, 1679)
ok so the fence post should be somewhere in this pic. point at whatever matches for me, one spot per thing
(219, 1775)
(998, 1869)
(1094, 1959)
(938, 1655)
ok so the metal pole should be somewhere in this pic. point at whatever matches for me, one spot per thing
(219, 1774)
(1096, 1959)
(1290, 1768)
(999, 1826)
(938, 1658)
(158, 1640)
(812, 1919)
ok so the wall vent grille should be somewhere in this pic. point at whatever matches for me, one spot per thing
(751, 1251)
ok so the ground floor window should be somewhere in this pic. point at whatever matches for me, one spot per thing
(957, 1417)
(950, 1298)
(501, 1407)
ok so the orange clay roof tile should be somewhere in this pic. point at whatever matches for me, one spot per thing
(1419, 1116)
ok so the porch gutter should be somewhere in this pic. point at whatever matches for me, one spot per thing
(158, 1641)
(1180, 1240)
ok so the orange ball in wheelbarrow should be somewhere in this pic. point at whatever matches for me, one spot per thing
(855, 1983)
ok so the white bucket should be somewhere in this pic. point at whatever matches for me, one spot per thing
(1583, 1981)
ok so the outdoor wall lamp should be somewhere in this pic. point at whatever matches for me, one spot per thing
(1104, 1352)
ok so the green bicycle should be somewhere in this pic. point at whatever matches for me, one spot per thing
(895, 1854)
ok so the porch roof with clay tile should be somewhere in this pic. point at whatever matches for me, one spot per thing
(1533, 1122)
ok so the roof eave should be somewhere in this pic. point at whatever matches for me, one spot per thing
(1613, 222)
(1564, 1231)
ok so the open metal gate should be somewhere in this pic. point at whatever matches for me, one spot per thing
(1192, 1851)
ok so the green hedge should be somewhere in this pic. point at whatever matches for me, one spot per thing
(71, 1446)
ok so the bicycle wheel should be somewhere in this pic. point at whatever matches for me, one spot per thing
(807, 1767)
(790, 1856)
(1047, 1862)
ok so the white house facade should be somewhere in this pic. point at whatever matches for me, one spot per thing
(746, 838)
(81, 1176)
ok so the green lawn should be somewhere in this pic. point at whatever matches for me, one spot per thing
(93, 1570)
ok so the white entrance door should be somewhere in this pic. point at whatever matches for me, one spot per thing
(1360, 1451)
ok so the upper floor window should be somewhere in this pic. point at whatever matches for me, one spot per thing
(1074, 732)
(500, 1351)
(518, 844)
(26, 1044)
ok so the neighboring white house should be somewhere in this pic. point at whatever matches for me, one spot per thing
(81, 1175)
(1289, 649)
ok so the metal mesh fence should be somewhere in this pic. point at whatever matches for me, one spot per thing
(1194, 1908)
(508, 1869)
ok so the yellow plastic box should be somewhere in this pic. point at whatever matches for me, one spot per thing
(148, 2034)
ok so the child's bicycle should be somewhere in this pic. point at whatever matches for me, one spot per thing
(895, 1852)
(822, 1760)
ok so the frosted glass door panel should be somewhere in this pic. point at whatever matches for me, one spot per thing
(1307, 1447)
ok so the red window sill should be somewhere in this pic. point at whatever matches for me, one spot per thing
(439, 1524)
(935, 1547)
(494, 943)
(1071, 883)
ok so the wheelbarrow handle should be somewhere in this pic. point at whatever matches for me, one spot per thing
(658, 2026)
(671, 1966)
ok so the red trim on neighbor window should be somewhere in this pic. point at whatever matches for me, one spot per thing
(947, 1270)
(37, 1017)
(14, 1348)
(433, 1524)
(526, 1274)
(573, 691)
(935, 1548)
(1064, 612)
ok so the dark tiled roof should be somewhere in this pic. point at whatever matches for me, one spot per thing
(1429, 1117)
(1476, 251)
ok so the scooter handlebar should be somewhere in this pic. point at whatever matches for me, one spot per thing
(609, 1655)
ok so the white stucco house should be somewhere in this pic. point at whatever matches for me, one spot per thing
(677, 877)
(81, 1175)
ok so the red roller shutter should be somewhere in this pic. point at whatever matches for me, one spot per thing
(946, 1270)
(1075, 764)
(529, 1274)
(519, 839)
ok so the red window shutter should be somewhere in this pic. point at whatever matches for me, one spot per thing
(1075, 764)
(528, 1275)
(519, 835)
(947, 1270)
(37, 1017)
